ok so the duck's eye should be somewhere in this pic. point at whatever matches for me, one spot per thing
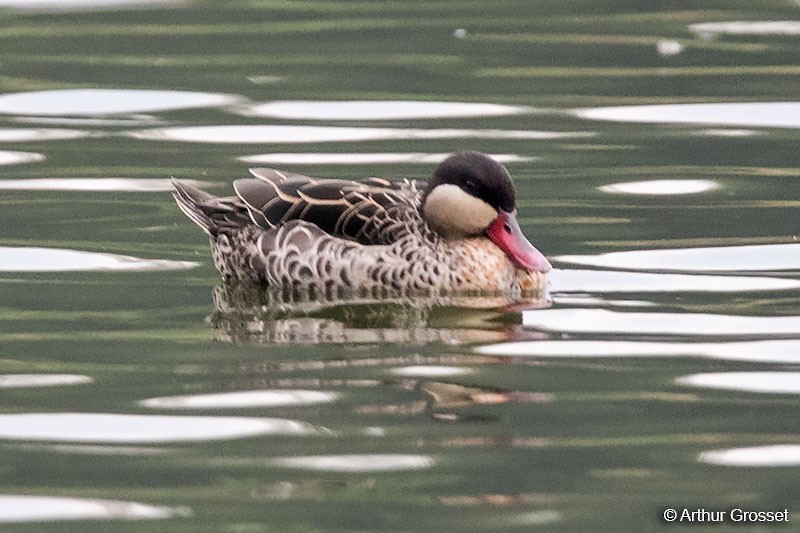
(470, 186)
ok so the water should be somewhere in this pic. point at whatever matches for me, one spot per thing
(655, 156)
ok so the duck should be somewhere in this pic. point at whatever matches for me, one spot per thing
(455, 234)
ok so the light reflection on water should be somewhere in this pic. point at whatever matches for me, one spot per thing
(762, 351)
(14, 381)
(41, 134)
(377, 110)
(605, 321)
(263, 134)
(747, 114)
(762, 257)
(758, 456)
(17, 509)
(58, 6)
(255, 398)
(93, 184)
(371, 158)
(600, 281)
(122, 428)
(661, 187)
(99, 102)
(712, 30)
(763, 382)
(16, 158)
(356, 463)
(34, 259)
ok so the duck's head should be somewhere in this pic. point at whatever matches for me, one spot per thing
(471, 194)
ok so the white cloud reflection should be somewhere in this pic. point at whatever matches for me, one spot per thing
(16, 158)
(19, 509)
(372, 158)
(356, 463)
(60, 6)
(595, 281)
(21, 381)
(779, 351)
(266, 134)
(94, 184)
(34, 259)
(763, 257)
(764, 382)
(98, 102)
(605, 321)
(377, 110)
(243, 399)
(756, 456)
(660, 187)
(118, 428)
(741, 114)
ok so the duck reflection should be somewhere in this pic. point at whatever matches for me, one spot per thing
(251, 313)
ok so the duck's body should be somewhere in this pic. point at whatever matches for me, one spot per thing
(334, 236)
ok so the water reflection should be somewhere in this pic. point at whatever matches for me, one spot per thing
(243, 399)
(763, 257)
(17, 509)
(32, 259)
(263, 134)
(750, 114)
(98, 102)
(661, 187)
(599, 281)
(357, 463)
(15, 381)
(94, 184)
(605, 321)
(764, 382)
(377, 110)
(757, 456)
(259, 314)
(16, 158)
(97, 427)
(57, 6)
(783, 351)
(711, 30)
(431, 371)
(39, 134)
(339, 158)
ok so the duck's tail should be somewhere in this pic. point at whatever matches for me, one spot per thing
(212, 214)
(195, 204)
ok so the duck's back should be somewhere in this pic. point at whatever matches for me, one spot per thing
(374, 211)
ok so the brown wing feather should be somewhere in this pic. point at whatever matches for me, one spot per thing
(368, 212)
